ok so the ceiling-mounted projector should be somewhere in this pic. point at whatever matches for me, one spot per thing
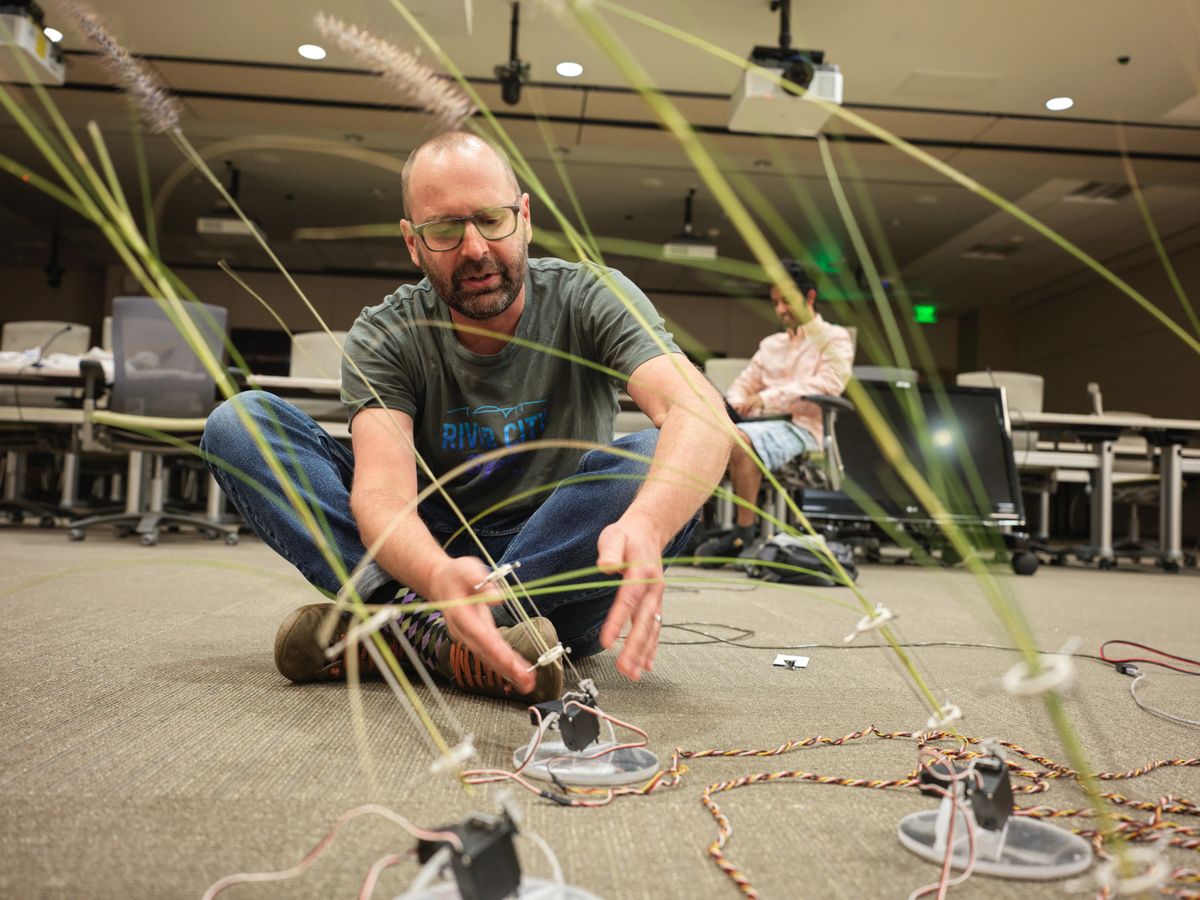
(21, 33)
(687, 244)
(762, 105)
(223, 223)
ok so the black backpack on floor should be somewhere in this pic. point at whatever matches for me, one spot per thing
(804, 552)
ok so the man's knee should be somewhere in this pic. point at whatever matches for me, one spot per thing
(637, 449)
(225, 427)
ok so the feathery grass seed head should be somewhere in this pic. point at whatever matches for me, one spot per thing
(159, 109)
(409, 76)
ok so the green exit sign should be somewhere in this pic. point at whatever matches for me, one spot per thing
(924, 314)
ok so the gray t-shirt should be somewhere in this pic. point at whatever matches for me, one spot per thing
(464, 404)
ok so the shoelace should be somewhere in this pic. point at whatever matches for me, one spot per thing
(468, 671)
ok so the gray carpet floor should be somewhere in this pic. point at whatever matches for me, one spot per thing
(149, 748)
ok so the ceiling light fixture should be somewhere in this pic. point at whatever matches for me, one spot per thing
(311, 51)
(53, 34)
(569, 69)
(1058, 104)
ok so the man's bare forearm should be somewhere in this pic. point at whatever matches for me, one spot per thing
(689, 463)
(409, 553)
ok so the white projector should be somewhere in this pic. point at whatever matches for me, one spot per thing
(688, 246)
(22, 35)
(219, 226)
(762, 106)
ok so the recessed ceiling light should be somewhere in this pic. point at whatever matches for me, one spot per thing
(53, 33)
(311, 51)
(569, 69)
(1057, 104)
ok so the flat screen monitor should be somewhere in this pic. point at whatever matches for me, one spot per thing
(962, 448)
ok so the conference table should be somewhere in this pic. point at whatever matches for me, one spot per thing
(24, 373)
(1100, 433)
(19, 372)
(1097, 432)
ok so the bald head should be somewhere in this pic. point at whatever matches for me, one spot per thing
(451, 143)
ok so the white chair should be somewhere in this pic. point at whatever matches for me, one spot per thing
(318, 354)
(37, 338)
(630, 421)
(723, 371)
(1023, 393)
(40, 338)
(45, 335)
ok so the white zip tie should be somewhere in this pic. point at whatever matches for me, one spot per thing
(499, 573)
(458, 756)
(554, 653)
(1057, 672)
(943, 717)
(881, 616)
(360, 630)
(1156, 871)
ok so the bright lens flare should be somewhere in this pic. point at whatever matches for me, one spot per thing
(942, 437)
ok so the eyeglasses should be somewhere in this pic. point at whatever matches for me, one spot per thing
(493, 224)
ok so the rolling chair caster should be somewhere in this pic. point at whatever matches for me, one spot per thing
(231, 539)
(149, 539)
(76, 534)
(1106, 564)
(1025, 563)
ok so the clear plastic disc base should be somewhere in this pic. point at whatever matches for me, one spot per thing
(1025, 848)
(592, 767)
(530, 889)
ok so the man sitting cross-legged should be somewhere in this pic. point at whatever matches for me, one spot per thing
(451, 368)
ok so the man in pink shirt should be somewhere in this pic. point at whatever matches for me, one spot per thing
(813, 358)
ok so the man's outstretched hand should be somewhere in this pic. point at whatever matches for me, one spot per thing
(633, 547)
(473, 625)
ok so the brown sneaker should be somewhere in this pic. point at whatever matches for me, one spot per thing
(466, 671)
(300, 656)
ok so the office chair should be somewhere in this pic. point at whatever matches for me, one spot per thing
(819, 468)
(159, 385)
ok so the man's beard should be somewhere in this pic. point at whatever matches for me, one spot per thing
(486, 305)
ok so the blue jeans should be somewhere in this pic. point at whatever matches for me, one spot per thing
(559, 536)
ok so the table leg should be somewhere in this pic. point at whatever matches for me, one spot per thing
(1170, 504)
(70, 479)
(1102, 504)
